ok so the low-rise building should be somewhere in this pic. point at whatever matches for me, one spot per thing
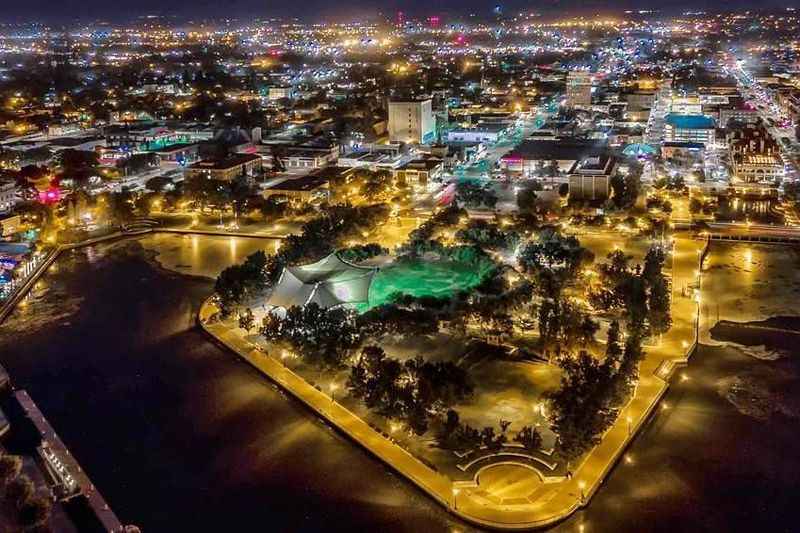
(754, 154)
(590, 179)
(308, 189)
(9, 196)
(480, 133)
(228, 168)
(10, 225)
(281, 92)
(683, 154)
(181, 153)
(419, 172)
(690, 128)
(530, 156)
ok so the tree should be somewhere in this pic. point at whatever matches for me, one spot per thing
(322, 336)
(475, 196)
(159, 184)
(579, 406)
(376, 184)
(450, 427)
(526, 199)
(120, 206)
(78, 166)
(10, 467)
(659, 306)
(554, 259)
(410, 390)
(238, 282)
(613, 345)
(653, 264)
(362, 252)
(35, 511)
(19, 490)
(247, 320)
(488, 236)
(530, 438)
(138, 163)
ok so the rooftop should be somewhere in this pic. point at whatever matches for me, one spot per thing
(559, 150)
(306, 183)
(233, 160)
(690, 122)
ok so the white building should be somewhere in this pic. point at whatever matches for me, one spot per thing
(411, 121)
(690, 128)
(281, 92)
(9, 196)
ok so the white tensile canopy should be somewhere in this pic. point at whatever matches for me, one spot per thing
(328, 282)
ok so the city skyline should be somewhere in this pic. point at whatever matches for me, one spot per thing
(439, 268)
(72, 11)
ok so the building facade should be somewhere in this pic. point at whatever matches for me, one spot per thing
(411, 121)
(690, 128)
(579, 88)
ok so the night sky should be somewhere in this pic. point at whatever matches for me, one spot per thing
(66, 10)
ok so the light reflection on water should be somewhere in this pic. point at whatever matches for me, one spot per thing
(177, 433)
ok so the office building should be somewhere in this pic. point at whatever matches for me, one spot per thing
(411, 121)
(579, 89)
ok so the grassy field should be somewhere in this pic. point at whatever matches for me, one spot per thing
(424, 278)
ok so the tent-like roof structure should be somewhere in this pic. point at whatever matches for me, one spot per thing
(328, 282)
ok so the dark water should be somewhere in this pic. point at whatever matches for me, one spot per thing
(179, 435)
(701, 464)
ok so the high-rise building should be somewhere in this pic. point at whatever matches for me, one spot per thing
(579, 88)
(411, 121)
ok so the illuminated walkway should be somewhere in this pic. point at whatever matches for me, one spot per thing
(510, 495)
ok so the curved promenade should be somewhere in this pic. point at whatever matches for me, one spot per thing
(556, 498)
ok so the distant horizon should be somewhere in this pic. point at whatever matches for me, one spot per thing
(186, 11)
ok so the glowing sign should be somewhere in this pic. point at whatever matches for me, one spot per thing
(50, 196)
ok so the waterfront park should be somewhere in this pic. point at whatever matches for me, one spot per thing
(501, 366)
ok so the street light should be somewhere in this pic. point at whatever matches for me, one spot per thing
(582, 486)
(455, 498)
(629, 419)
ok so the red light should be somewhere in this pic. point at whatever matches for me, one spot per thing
(50, 196)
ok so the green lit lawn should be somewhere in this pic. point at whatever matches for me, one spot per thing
(425, 278)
